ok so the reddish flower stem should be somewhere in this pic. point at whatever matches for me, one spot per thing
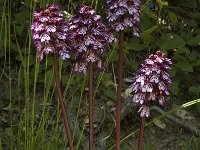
(91, 105)
(119, 88)
(62, 105)
(141, 136)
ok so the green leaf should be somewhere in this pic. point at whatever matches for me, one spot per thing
(162, 3)
(183, 64)
(148, 12)
(146, 21)
(110, 94)
(194, 41)
(170, 41)
(146, 35)
(196, 63)
(195, 89)
(174, 88)
(132, 64)
(114, 56)
(173, 71)
(182, 51)
(172, 17)
(135, 45)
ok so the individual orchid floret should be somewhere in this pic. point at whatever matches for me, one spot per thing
(124, 13)
(151, 82)
(88, 36)
(50, 32)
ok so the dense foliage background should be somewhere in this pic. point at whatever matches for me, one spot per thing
(29, 117)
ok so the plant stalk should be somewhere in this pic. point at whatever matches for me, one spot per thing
(91, 105)
(62, 105)
(141, 136)
(119, 88)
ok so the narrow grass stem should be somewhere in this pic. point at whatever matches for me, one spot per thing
(119, 88)
(91, 105)
(62, 105)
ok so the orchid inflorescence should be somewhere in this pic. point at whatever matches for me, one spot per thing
(50, 32)
(88, 37)
(151, 82)
(123, 14)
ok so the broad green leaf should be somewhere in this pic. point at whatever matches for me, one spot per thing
(194, 41)
(170, 41)
(183, 64)
(182, 51)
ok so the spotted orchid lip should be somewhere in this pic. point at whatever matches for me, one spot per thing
(151, 82)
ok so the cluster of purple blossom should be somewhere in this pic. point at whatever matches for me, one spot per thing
(123, 14)
(83, 38)
(85, 35)
(50, 32)
(89, 36)
(151, 82)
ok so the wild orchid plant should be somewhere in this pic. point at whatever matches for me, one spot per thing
(122, 14)
(85, 38)
(88, 37)
(50, 35)
(151, 83)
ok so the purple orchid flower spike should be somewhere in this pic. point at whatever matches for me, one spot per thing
(50, 32)
(123, 14)
(88, 36)
(151, 83)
